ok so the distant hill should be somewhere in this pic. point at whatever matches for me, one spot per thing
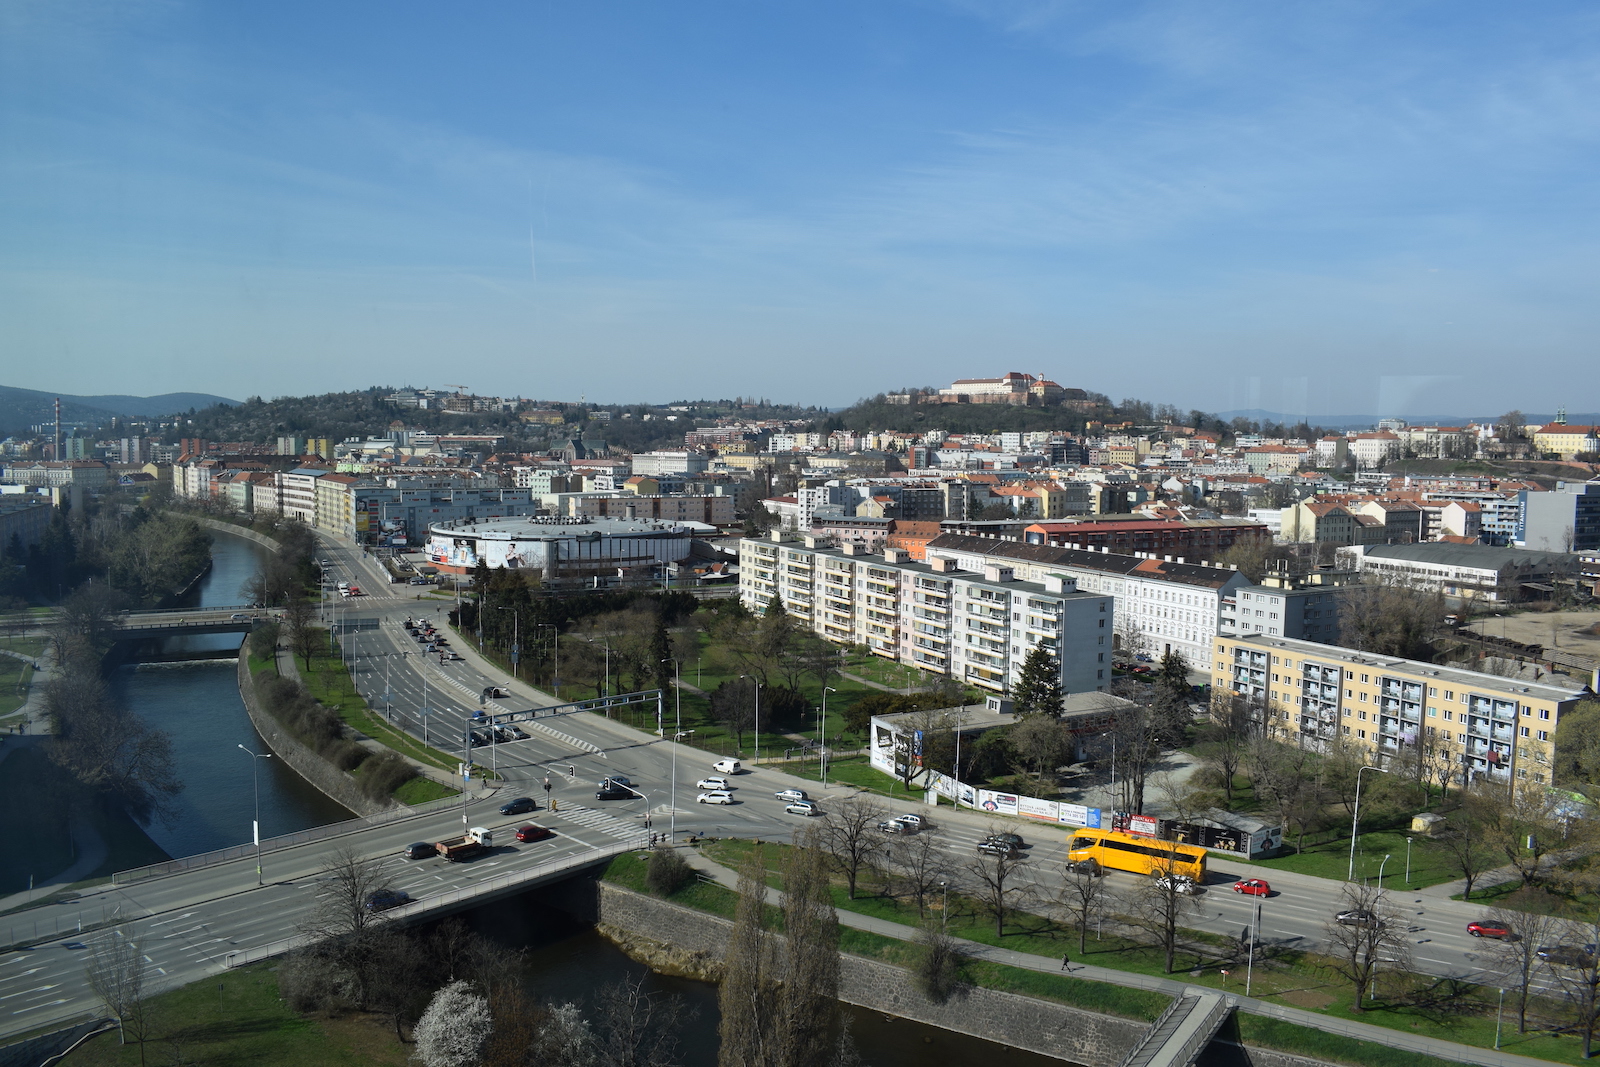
(22, 408)
(1347, 422)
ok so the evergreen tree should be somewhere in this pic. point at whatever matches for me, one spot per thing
(1038, 687)
(659, 654)
(1173, 674)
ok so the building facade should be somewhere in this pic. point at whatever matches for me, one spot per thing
(1456, 722)
(974, 625)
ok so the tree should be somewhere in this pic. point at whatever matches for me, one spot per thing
(733, 704)
(116, 973)
(1523, 828)
(1225, 740)
(637, 1028)
(1285, 776)
(1577, 752)
(747, 994)
(858, 715)
(299, 622)
(809, 997)
(919, 865)
(1248, 559)
(344, 883)
(1161, 905)
(659, 654)
(1509, 428)
(1580, 979)
(1082, 895)
(666, 872)
(1390, 618)
(1518, 956)
(1041, 743)
(1038, 687)
(936, 969)
(1466, 838)
(849, 835)
(106, 747)
(454, 1029)
(1354, 951)
(1000, 878)
(1173, 674)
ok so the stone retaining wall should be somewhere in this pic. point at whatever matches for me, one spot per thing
(336, 784)
(684, 941)
(238, 531)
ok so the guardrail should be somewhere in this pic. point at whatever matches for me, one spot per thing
(278, 844)
(427, 904)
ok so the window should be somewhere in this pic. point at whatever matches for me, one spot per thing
(1347, 715)
(1102, 658)
(1101, 640)
(1365, 679)
(1448, 695)
(1544, 735)
(1432, 691)
(1363, 698)
(1448, 714)
(1349, 694)
(1524, 731)
(1349, 675)
(1362, 716)
(1544, 713)
(1100, 674)
(1102, 607)
(1102, 624)
(1347, 729)
(1361, 734)
(1433, 713)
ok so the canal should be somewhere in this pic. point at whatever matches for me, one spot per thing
(197, 702)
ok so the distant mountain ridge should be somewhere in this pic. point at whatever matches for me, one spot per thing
(22, 408)
(1346, 422)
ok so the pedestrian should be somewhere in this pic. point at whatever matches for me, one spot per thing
(1066, 962)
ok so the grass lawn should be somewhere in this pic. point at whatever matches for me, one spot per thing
(1508, 894)
(853, 770)
(236, 1018)
(1430, 863)
(1433, 1008)
(421, 790)
(329, 681)
(14, 678)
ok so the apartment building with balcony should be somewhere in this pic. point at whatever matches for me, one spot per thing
(976, 625)
(1455, 721)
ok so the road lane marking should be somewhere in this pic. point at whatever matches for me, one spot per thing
(38, 989)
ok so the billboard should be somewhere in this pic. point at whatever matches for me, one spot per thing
(452, 551)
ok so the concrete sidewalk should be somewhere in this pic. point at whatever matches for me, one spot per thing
(1380, 1035)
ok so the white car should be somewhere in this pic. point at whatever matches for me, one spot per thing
(717, 784)
(802, 807)
(1183, 884)
(716, 796)
(727, 766)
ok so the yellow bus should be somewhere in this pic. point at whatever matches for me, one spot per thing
(1117, 851)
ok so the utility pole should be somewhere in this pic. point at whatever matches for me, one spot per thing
(255, 826)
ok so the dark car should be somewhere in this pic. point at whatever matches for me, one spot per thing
(419, 850)
(1013, 840)
(534, 833)
(1567, 955)
(1359, 917)
(384, 899)
(997, 848)
(478, 737)
(613, 792)
(518, 806)
(1490, 928)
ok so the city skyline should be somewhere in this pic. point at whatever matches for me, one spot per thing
(1339, 210)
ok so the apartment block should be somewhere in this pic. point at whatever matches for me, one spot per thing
(974, 625)
(1456, 721)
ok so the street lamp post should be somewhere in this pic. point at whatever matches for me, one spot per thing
(672, 806)
(1408, 861)
(255, 826)
(822, 757)
(1250, 965)
(1355, 819)
(1380, 871)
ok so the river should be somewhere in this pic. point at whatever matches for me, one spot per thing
(197, 702)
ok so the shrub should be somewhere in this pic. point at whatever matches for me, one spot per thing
(264, 640)
(384, 774)
(345, 755)
(667, 873)
(936, 968)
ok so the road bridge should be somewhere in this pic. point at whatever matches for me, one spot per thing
(188, 622)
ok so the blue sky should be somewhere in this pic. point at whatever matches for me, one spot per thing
(1324, 208)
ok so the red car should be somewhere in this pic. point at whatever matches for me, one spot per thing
(1254, 887)
(533, 833)
(1490, 928)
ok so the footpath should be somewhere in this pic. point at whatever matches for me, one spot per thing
(1380, 1035)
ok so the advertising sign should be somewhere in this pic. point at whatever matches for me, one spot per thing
(1078, 815)
(1034, 808)
(967, 795)
(1144, 824)
(452, 551)
(999, 803)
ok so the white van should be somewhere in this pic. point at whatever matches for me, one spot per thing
(727, 766)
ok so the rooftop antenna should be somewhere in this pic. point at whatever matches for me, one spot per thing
(57, 457)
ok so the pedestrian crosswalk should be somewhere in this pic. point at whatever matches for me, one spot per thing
(592, 819)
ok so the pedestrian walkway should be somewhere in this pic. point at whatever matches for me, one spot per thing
(1381, 1035)
(593, 819)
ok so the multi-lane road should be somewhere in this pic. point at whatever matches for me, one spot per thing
(193, 921)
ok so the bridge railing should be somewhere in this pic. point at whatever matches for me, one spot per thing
(276, 844)
(427, 904)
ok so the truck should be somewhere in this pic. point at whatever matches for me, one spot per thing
(474, 842)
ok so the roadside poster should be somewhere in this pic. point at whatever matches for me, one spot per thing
(1034, 808)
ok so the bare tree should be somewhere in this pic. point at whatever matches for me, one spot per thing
(116, 973)
(1391, 618)
(1225, 740)
(637, 1028)
(1518, 955)
(344, 885)
(850, 836)
(1000, 879)
(920, 865)
(1467, 838)
(1083, 895)
(937, 970)
(747, 995)
(299, 624)
(1041, 743)
(1162, 903)
(809, 997)
(1378, 935)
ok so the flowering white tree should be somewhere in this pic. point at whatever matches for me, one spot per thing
(454, 1029)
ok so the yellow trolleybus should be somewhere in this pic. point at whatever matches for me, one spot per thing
(1117, 851)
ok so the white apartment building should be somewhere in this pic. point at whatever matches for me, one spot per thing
(1169, 604)
(976, 626)
(297, 493)
(654, 464)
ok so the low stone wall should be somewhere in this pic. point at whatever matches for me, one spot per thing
(333, 782)
(238, 531)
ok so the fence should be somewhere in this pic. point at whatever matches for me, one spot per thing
(427, 904)
(275, 844)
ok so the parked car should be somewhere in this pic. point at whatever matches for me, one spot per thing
(534, 833)
(792, 796)
(712, 783)
(1359, 917)
(715, 796)
(518, 806)
(1490, 928)
(1567, 955)
(802, 807)
(1179, 883)
(384, 899)
(1253, 887)
(726, 766)
(419, 850)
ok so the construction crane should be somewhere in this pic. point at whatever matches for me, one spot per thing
(461, 390)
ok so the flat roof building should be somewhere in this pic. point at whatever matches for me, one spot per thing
(559, 547)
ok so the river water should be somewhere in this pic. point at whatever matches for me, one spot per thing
(198, 703)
